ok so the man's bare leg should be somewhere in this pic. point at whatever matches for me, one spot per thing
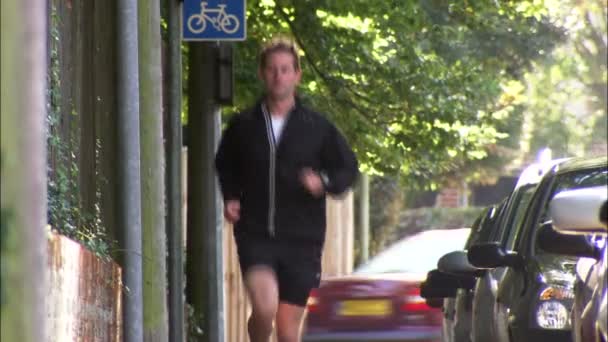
(262, 287)
(289, 322)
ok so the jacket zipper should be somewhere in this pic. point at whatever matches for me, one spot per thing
(271, 171)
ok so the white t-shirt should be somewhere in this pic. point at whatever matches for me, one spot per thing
(277, 127)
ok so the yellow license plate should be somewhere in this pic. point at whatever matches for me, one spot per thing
(365, 307)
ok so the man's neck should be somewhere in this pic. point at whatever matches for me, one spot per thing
(280, 108)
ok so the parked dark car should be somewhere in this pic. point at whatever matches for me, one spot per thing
(458, 280)
(582, 232)
(484, 327)
(381, 300)
(499, 228)
(535, 294)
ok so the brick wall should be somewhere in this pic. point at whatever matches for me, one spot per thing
(84, 294)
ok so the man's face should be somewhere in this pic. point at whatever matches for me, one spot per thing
(280, 76)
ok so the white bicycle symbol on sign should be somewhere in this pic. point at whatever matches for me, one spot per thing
(222, 21)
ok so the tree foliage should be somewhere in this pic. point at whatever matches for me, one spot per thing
(415, 85)
(567, 93)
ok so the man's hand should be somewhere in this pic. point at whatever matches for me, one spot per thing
(232, 211)
(312, 182)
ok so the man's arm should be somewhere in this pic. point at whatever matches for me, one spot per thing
(339, 164)
(227, 162)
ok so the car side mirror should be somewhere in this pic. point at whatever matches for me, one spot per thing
(443, 285)
(434, 302)
(430, 290)
(580, 211)
(457, 263)
(438, 285)
(492, 255)
(549, 240)
(457, 281)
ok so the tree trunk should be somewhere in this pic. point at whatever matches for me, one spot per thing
(23, 168)
(152, 173)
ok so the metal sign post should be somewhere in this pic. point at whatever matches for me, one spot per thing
(213, 20)
(210, 78)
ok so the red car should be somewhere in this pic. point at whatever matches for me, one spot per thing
(381, 300)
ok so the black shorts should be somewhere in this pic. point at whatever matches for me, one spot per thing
(297, 266)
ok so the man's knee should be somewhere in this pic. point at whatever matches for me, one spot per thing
(260, 322)
(288, 333)
(260, 325)
(289, 322)
(262, 287)
(264, 314)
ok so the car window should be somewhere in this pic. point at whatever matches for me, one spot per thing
(474, 235)
(515, 218)
(490, 225)
(531, 211)
(575, 180)
(487, 225)
(570, 181)
(416, 254)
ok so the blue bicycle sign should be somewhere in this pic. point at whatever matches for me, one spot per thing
(213, 20)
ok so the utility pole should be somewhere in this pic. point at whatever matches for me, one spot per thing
(129, 182)
(364, 216)
(173, 149)
(154, 240)
(205, 222)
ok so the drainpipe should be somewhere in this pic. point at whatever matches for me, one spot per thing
(173, 150)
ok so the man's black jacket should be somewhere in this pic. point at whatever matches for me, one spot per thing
(264, 175)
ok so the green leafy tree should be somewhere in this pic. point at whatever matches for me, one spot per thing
(566, 93)
(415, 86)
(424, 90)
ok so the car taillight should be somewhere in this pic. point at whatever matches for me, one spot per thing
(313, 301)
(413, 301)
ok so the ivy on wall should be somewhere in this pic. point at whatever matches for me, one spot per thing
(65, 212)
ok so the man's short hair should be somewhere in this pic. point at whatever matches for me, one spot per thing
(279, 44)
